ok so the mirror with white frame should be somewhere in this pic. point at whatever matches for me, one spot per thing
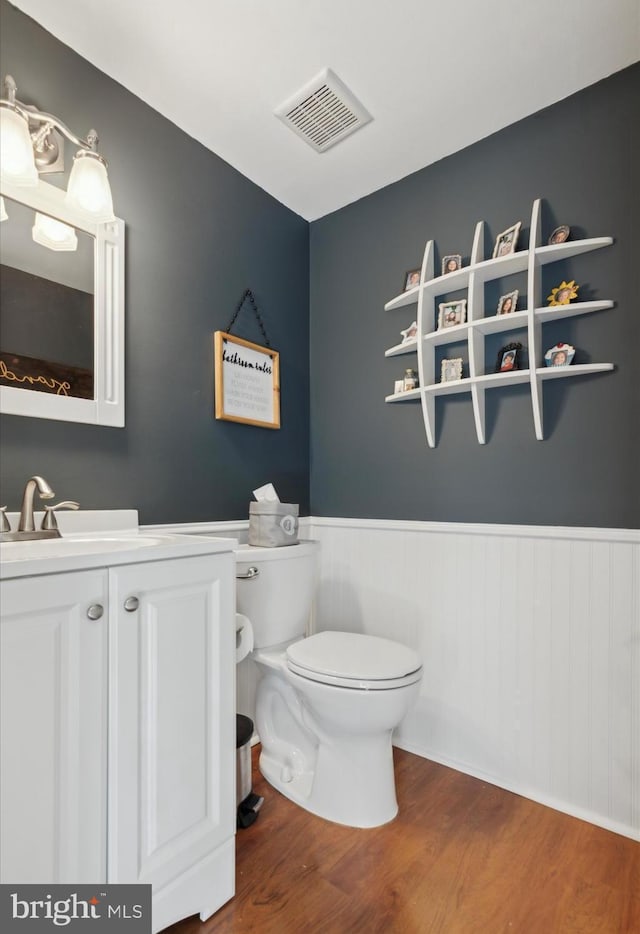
(76, 374)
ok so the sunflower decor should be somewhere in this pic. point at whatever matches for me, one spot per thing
(563, 293)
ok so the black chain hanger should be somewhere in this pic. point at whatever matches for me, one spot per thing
(248, 294)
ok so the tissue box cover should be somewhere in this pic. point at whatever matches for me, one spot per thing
(272, 525)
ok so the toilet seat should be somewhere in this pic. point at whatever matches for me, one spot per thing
(353, 660)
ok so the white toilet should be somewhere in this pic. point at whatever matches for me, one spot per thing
(326, 705)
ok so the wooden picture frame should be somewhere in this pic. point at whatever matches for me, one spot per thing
(247, 382)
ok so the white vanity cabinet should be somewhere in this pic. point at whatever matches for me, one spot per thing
(171, 797)
(53, 723)
(118, 732)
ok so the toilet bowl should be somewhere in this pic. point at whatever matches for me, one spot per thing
(326, 705)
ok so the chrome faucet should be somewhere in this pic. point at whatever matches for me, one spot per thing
(26, 522)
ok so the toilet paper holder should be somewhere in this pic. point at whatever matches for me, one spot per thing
(244, 637)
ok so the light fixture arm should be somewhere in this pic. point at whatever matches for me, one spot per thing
(49, 121)
(33, 144)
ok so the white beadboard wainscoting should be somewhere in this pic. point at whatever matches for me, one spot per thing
(530, 641)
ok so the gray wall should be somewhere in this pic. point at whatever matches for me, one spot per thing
(370, 459)
(198, 234)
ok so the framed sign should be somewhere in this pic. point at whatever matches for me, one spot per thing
(247, 382)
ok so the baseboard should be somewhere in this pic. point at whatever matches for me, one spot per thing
(531, 794)
(202, 889)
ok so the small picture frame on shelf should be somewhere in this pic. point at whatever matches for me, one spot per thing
(451, 370)
(410, 333)
(509, 358)
(563, 293)
(560, 355)
(411, 279)
(507, 303)
(560, 234)
(451, 263)
(506, 241)
(452, 314)
(410, 380)
(398, 386)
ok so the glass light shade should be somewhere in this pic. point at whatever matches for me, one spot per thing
(16, 152)
(88, 188)
(54, 234)
(3, 211)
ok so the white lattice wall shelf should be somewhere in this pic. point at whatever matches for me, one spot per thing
(478, 325)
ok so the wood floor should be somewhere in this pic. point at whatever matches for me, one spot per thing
(462, 857)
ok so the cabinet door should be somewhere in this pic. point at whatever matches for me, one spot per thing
(53, 729)
(172, 716)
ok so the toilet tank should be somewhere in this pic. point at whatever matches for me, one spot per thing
(278, 599)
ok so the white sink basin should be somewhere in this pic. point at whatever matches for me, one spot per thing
(82, 545)
(100, 539)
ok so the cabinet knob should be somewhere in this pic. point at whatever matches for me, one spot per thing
(95, 611)
(131, 604)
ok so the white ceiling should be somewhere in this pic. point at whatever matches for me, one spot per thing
(435, 76)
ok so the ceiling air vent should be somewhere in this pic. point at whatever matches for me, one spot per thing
(324, 112)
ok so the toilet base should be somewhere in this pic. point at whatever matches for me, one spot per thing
(328, 748)
(352, 782)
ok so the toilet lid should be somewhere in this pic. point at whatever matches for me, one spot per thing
(354, 660)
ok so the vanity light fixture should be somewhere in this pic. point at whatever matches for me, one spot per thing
(29, 144)
(16, 152)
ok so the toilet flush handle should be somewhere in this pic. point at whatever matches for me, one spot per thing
(249, 574)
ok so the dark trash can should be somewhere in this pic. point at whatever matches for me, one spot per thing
(247, 804)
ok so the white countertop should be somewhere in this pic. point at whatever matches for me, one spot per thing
(94, 539)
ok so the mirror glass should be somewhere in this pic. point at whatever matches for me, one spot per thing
(62, 311)
(46, 309)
